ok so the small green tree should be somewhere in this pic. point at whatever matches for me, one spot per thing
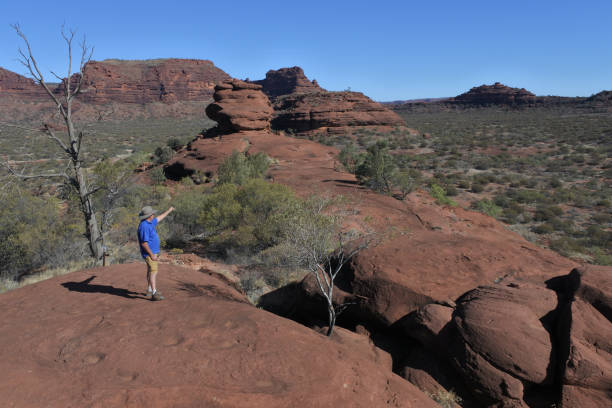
(378, 168)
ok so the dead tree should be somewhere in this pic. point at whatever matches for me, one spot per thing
(70, 141)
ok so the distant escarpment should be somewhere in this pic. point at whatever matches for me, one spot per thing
(502, 96)
(302, 106)
(496, 94)
(12, 84)
(146, 81)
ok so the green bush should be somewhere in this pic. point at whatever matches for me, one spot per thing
(477, 188)
(238, 168)
(350, 157)
(547, 213)
(439, 195)
(378, 168)
(250, 217)
(163, 154)
(487, 207)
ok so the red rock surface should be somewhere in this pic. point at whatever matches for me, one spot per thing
(331, 112)
(302, 106)
(146, 81)
(287, 81)
(12, 84)
(587, 379)
(496, 94)
(239, 106)
(90, 339)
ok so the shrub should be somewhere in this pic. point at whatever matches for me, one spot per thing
(238, 168)
(406, 181)
(157, 175)
(547, 213)
(350, 158)
(174, 143)
(378, 168)
(487, 207)
(477, 188)
(439, 195)
(163, 154)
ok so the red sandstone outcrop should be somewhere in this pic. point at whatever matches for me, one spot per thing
(101, 343)
(146, 81)
(331, 112)
(240, 109)
(286, 81)
(239, 106)
(302, 106)
(12, 84)
(496, 94)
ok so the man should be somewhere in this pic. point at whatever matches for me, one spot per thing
(150, 246)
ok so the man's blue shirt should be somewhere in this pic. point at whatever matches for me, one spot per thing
(148, 234)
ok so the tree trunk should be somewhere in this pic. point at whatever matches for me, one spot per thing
(331, 314)
(91, 223)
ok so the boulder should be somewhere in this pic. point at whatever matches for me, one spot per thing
(239, 106)
(587, 339)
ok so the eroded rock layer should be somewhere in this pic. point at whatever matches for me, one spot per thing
(302, 106)
(12, 84)
(146, 81)
(286, 81)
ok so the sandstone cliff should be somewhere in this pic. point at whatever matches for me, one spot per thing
(12, 84)
(146, 81)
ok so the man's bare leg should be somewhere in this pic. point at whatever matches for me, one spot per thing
(153, 281)
(149, 279)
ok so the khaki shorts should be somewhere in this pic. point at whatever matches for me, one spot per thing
(151, 265)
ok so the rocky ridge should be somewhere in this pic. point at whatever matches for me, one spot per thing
(302, 106)
(457, 300)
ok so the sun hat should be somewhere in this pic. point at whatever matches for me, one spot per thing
(146, 212)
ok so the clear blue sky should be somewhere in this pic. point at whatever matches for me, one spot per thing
(387, 49)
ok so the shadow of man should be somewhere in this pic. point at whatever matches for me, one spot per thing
(86, 287)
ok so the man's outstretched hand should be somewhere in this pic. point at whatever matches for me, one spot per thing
(164, 214)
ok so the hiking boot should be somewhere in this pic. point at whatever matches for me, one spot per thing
(157, 296)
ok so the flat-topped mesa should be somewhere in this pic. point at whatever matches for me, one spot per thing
(146, 81)
(12, 84)
(496, 94)
(286, 81)
(239, 106)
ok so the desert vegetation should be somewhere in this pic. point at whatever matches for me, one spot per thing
(543, 171)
